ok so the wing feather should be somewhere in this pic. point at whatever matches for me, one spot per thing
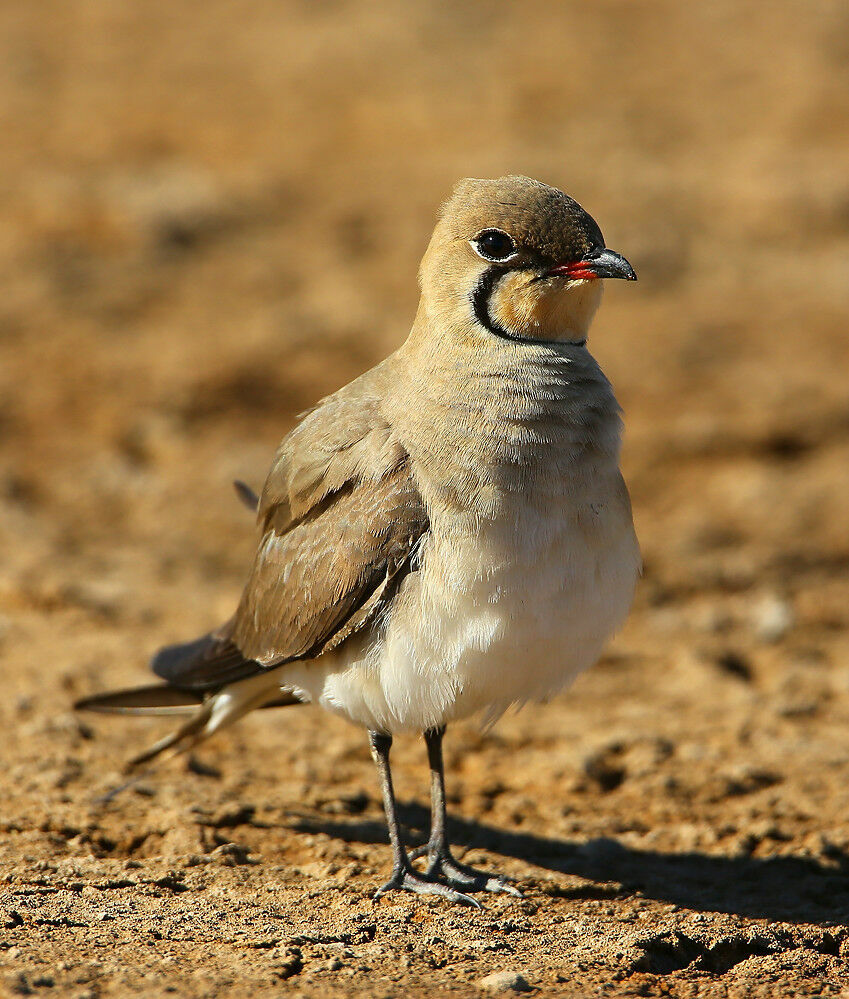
(317, 581)
(341, 519)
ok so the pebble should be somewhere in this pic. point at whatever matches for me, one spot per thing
(503, 981)
(772, 619)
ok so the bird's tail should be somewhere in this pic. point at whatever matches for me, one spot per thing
(207, 713)
(155, 699)
(226, 685)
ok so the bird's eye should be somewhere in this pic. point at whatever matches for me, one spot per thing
(493, 244)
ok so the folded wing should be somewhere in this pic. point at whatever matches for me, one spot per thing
(341, 521)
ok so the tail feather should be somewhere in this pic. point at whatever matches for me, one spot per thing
(155, 699)
(207, 713)
(182, 740)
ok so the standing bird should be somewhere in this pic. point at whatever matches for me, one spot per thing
(450, 533)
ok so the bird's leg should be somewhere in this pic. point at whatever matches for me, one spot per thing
(441, 863)
(404, 876)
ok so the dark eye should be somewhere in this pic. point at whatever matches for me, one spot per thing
(493, 244)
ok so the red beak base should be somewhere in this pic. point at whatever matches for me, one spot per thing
(579, 271)
(598, 264)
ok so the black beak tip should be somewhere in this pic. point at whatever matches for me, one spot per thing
(610, 264)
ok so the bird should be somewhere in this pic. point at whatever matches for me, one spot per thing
(449, 534)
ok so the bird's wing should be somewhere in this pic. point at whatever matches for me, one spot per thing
(204, 665)
(317, 580)
(341, 519)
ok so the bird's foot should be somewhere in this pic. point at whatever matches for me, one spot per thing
(451, 872)
(408, 879)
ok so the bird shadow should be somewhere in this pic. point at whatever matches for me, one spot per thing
(781, 889)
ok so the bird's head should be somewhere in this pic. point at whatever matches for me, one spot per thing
(519, 258)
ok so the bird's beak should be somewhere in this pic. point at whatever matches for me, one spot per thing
(596, 264)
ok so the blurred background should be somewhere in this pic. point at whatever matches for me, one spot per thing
(213, 214)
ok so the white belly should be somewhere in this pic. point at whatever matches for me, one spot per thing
(499, 616)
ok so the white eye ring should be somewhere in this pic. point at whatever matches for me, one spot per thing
(495, 245)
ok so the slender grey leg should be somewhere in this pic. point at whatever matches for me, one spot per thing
(404, 876)
(441, 863)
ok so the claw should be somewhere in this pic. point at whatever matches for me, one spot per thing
(409, 880)
(452, 872)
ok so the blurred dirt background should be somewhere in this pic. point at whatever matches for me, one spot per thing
(212, 215)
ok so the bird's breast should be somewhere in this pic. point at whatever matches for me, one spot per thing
(530, 560)
(511, 609)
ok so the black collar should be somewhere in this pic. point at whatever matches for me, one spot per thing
(480, 304)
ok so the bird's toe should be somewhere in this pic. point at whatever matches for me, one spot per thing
(452, 872)
(421, 884)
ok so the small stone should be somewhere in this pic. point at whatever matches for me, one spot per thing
(503, 981)
(197, 859)
(230, 855)
(772, 618)
(735, 664)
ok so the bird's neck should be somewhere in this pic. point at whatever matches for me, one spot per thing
(483, 416)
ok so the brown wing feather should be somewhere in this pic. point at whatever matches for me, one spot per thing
(341, 521)
(206, 664)
(317, 581)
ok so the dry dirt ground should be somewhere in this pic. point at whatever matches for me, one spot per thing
(212, 214)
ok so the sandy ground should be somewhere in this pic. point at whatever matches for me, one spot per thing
(212, 215)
